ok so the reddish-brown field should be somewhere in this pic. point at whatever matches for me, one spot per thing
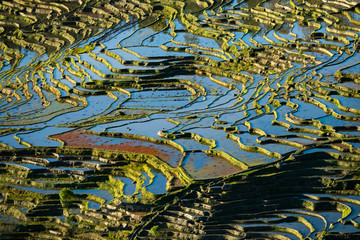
(79, 138)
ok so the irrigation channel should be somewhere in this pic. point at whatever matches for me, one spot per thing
(188, 119)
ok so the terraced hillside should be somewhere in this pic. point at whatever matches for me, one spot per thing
(192, 119)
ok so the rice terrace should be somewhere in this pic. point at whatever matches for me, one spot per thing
(180, 119)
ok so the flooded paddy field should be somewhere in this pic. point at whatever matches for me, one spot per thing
(190, 119)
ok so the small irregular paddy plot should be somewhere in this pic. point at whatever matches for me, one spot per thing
(200, 165)
(192, 119)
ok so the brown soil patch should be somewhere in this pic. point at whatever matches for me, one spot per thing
(78, 138)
